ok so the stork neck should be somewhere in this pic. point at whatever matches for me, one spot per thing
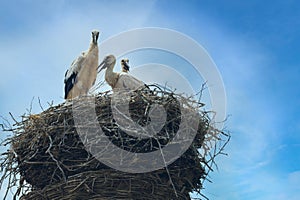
(110, 69)
(93, 46)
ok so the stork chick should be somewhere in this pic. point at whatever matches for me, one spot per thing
(81, 76)
(125, 65)
(122, 80)
(108, 63)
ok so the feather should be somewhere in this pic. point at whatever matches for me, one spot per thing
(128, 82)
(82, 73)
(71, 74)
(69, 83)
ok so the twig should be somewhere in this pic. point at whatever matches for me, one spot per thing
(40, 104)
(57, 163)
(30, 107)
(16, 122)
(166, 166)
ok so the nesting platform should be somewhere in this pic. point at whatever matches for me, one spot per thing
(48, 159)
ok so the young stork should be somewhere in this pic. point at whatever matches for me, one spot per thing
(122, 80)
(81, 76)
(125, 65)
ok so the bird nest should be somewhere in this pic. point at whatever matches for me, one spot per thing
(49, 158)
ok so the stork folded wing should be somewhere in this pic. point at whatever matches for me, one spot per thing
(71, 74)
(69, 83)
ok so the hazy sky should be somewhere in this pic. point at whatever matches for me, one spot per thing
(255, 45)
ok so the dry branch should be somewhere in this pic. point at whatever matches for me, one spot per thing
(47, 152)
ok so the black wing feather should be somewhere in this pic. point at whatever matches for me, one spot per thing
(69, 83)
(71, 74)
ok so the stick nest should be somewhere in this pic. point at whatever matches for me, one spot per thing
(48, 160)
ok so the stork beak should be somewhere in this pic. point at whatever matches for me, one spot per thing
(95, 36)
(101, 66)
(126, 66)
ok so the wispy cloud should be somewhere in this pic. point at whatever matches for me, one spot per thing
(36, 51)
(247, 171)
(33, 63)
(38, 58)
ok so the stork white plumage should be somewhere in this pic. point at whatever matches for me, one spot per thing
(119, 81)
(81, 76)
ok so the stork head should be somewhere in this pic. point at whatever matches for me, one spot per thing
(125, 65)
(95, 36)
(108, 61)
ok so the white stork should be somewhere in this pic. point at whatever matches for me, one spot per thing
(125, 65)
(121, 80)
(81, 76)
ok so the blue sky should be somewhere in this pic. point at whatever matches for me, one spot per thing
(255, 45)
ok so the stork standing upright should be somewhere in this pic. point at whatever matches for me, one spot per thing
(121, 80)
(81, 76)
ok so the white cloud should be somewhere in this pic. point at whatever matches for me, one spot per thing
(34, 63)
(294, 180)
(246, 172)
